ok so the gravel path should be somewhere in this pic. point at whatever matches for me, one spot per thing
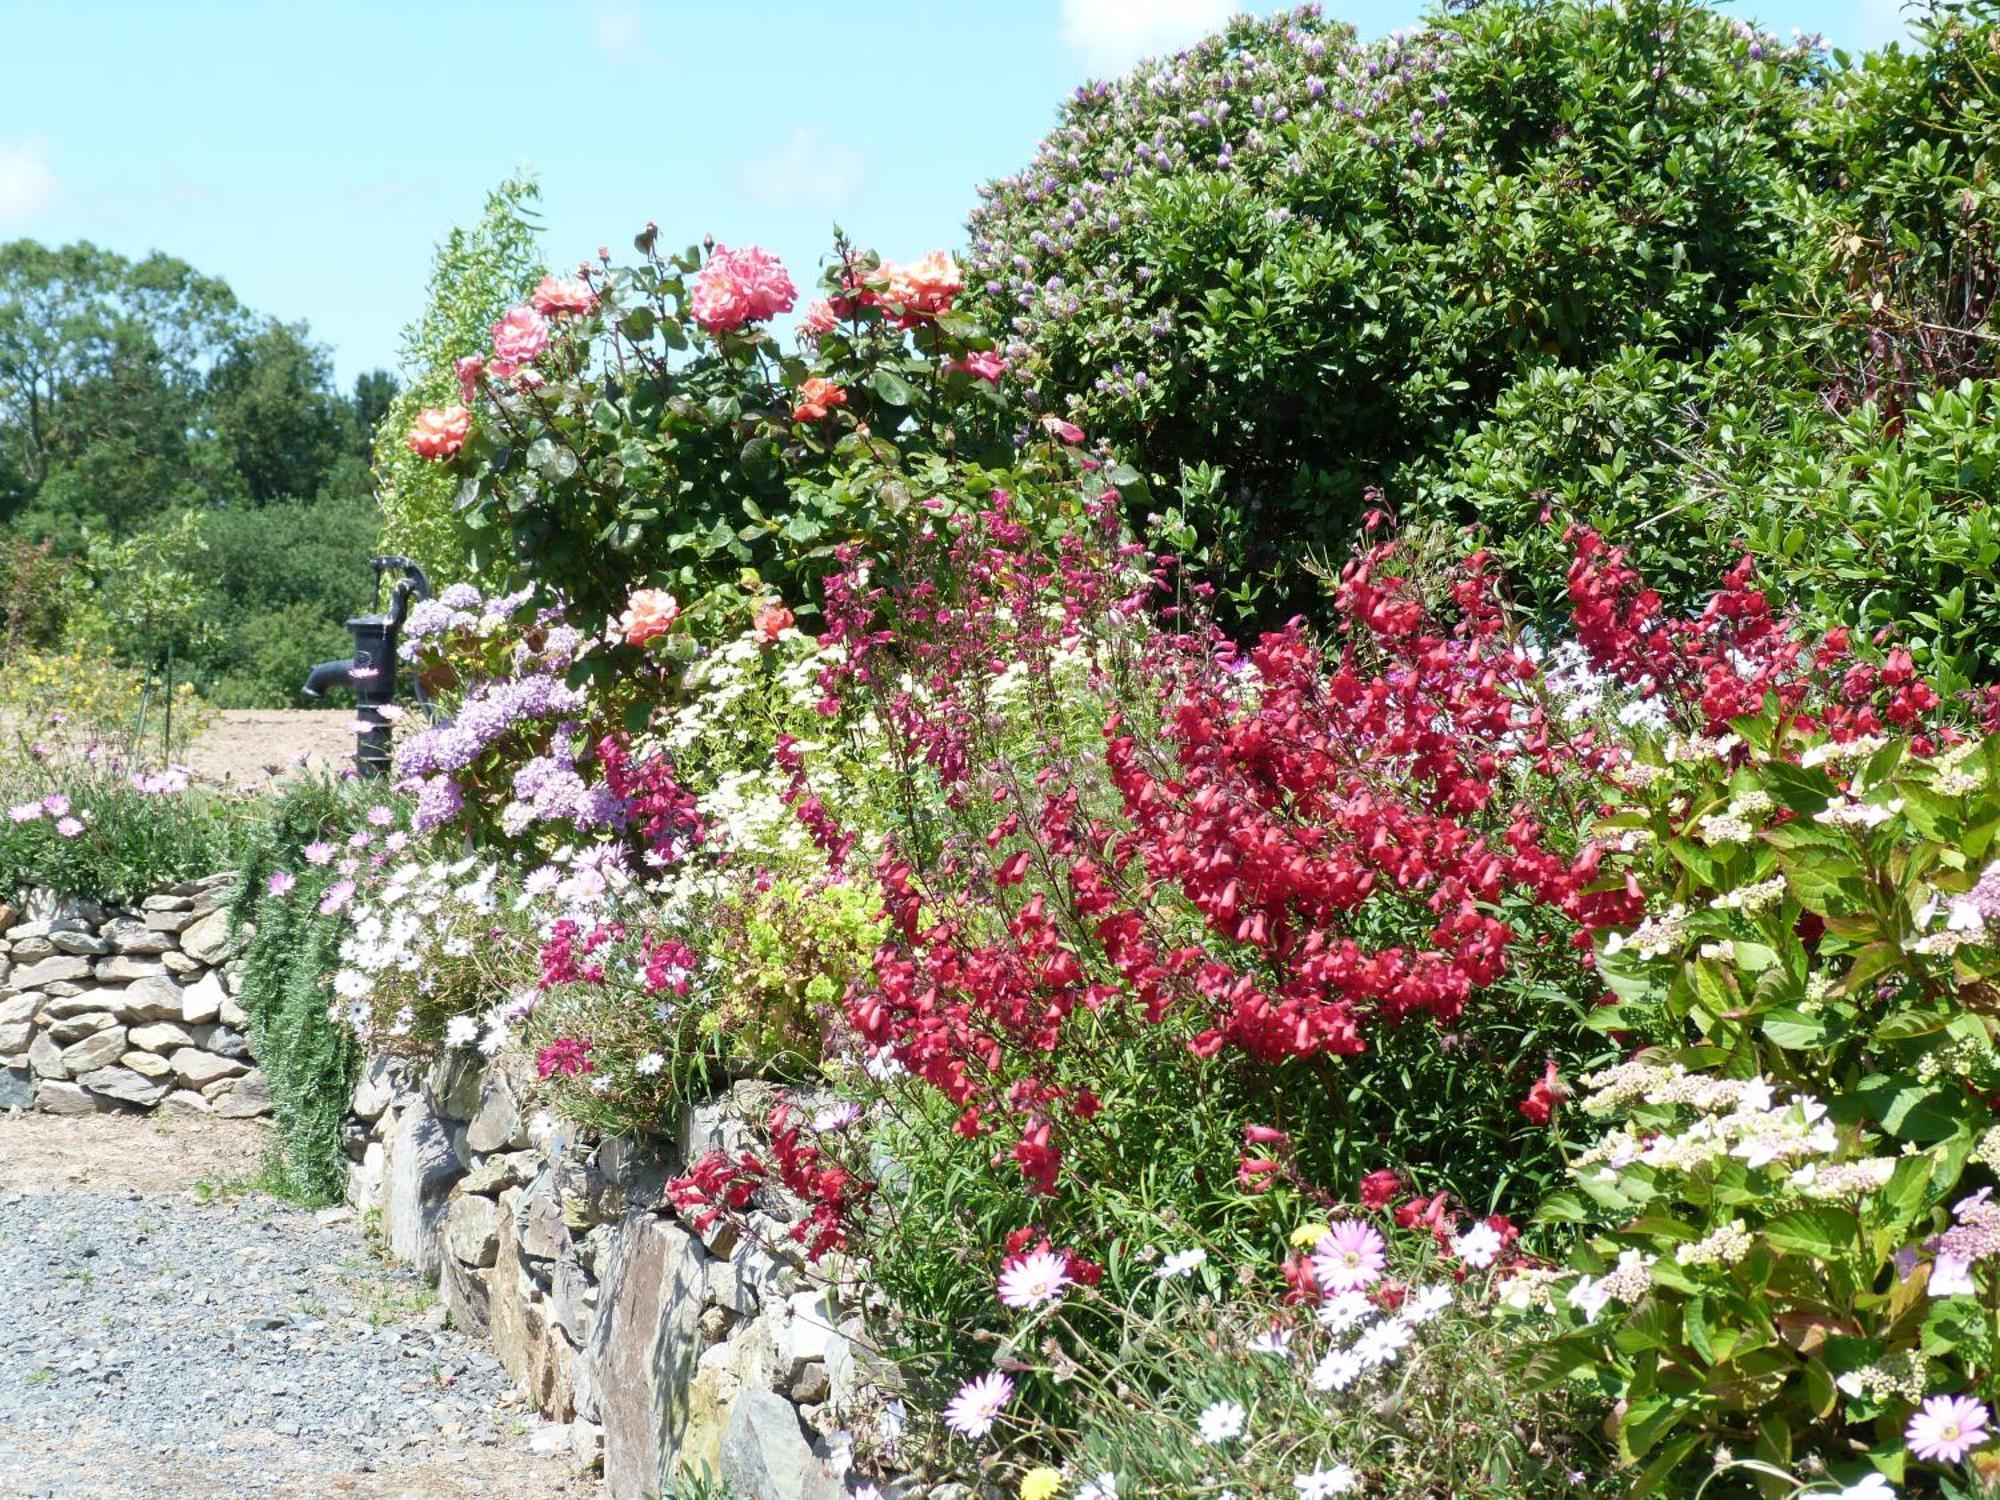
(194, 1343)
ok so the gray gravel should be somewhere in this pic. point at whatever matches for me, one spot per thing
(166, 1347)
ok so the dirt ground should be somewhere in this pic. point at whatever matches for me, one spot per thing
(255, 746)
(126, 1153)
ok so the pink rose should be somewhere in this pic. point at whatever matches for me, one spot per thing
(559, 298)
(517, 339)
(984, 365)
(738, 287)
(649, 612)
(469, 370)
(820, 318)
(440, 431)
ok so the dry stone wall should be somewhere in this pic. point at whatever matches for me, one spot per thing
(125, 1009)
(667, 1350)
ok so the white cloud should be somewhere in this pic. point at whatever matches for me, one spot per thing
(620, 33)
(1114, 34)
(27, 183)
(808, 169)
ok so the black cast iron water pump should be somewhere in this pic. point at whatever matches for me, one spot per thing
(370, 673)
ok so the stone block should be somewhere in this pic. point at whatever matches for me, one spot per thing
(466, 1293)
(201, 1002)
(420, 1171)
(375, 1089)
(497, 1124)
(18, 1007)
(147, 1064)
(17, 1088)
(185, 1102)
(453, 1087)
(122, 968)
(61, 966)
(45, 1058)
(98, 1050)
(57, 1098)
(80, 944)
(764, 1454)
(125, 1086)
(643, 1349)
(175, 922)
(472, 1229)
(248, 1099)
(197, 1069)
(15, 1036)
(164, 1037)
(138, 940)
(156, 999)
(209, 941)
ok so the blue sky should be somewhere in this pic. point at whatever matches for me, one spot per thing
(312, 155)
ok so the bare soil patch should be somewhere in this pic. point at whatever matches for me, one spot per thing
(254, 747)
(127, 1154)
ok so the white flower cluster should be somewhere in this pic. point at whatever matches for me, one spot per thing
(1379, 1338)
(1737, 1118)
(1759, 895)
(1654, 937)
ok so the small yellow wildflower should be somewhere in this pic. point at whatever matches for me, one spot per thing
(1041, 1484)
(1308, 1235)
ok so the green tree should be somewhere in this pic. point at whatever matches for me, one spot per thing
(478, 274)
(278, 425)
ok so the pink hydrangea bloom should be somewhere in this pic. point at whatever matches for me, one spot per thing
(738, 287)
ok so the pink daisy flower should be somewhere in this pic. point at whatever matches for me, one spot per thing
(973, 1411)
(1352, 1255)
(1034, 1279)
(1946, 1428)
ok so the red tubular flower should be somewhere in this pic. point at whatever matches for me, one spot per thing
(1540, 1105)
(1381, 1187)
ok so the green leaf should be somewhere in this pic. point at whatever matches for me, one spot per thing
(892, 388)
(1823, 1232)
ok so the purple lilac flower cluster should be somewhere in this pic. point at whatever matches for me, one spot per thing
(549, 788)
(1254, 106)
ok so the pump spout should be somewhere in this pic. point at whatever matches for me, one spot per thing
(329, 674)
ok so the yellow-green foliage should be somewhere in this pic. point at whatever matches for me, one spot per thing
(67, 699)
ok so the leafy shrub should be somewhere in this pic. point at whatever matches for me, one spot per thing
(477, 275)
(285, 899)
(638, 426)
(92, 830)
(1268, 265)
(1788, 1252)
(63, 705)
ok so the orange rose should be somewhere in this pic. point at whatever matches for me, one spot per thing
(818, 396)
(649, 612)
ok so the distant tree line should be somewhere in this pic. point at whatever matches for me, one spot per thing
(178, 473)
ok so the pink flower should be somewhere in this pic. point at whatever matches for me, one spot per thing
(25, 812)
(55, 804)
(337, 896)
(1951, 1276)
(280, 882)
(565, 1057)
(559, 298)
(820, 318)
(440, 431)
(1351, 1255)
(648, 613)
(1947, 1428)
(738, 287)
(973, 1411)
(69, 828)
(1032, 1280)
(770, 622)
(924, 288)
(985, 365)
(517, 339)
(469, 370)
(1069, 432)
(318, 852)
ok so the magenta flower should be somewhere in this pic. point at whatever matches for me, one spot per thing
(280, 882)
(565, 1057)
(1352, 1255)
(973, 1411)
(1946, 1428)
